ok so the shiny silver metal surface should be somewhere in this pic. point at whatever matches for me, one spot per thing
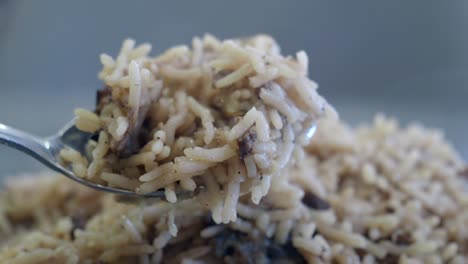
(46, 150)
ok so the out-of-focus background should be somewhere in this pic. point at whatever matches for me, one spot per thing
(408, 59)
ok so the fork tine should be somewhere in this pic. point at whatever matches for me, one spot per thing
(71, 136)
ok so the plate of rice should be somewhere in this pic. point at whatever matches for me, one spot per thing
(275, 176)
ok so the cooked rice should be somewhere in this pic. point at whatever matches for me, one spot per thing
(166, 121)
(374, 194)
(234, 117)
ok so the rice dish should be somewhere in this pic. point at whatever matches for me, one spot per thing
(374, 194)
(226, 115)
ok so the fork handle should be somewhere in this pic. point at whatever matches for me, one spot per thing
(25, 142)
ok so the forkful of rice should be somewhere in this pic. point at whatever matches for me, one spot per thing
(226, 117)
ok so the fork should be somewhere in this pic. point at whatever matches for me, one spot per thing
(46, 150)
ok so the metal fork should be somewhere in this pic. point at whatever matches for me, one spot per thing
(46, 150)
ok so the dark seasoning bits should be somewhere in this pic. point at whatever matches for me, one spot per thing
(315, 202)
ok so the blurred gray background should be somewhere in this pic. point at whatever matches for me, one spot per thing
(408, 59)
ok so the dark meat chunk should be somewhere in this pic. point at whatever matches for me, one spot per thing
(138, 130)
(235, 247)
(315, 202)
(360, 252)
(103, 97)
(130, 143)
(402, 239)
(390, 259)
(79, 221)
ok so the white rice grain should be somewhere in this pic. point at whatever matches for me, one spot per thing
(219, 154)
(87, 121)
(134, 96)
(232, 195)
(235, 76)
(120, 181)
(244, 124)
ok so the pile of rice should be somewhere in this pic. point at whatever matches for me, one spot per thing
(236, 117)
(374, 194)
(227, 115)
